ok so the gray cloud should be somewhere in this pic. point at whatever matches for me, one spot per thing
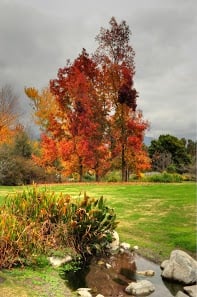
(37, 37)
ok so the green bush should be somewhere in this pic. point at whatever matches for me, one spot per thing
(91, 226)
(112, 176)
(34, 222)
(164, 178)
(27, 171)
(171, 168)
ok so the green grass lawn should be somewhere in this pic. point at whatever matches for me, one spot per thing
(27, 282)
(156, 217)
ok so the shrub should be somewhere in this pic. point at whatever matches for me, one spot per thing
(34, 222)
(164, 178)
(188, 177)
(91, 226)
(171, 168)
(112, 176)
(27, 171)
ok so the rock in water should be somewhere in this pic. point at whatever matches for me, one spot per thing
(180, 267)
(84, 292)
(181, 294)
(191, 290)
(146, 272)
(141, 288)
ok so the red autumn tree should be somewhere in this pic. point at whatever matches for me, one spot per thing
(116, 58)
(77, 91)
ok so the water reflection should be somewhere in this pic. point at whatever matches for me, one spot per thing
(172, 287)
(76, 279)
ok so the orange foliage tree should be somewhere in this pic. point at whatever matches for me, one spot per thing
(44, 105)
(46, 108)
(127, 128)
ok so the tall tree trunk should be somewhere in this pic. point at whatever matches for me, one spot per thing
(123, 161)
(97, 177)
(80, 170)
(123, 164)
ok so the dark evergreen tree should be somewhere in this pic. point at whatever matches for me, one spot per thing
(167, 151)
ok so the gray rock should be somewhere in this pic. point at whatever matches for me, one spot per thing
(115, 244)
(181, 267)
(164, 264)
(146, 272)
(125, 246)
(136, 247)
(191, 290)
(141, 288)
(181, 294)
(108, 266)
(84, 292)
(57, 261)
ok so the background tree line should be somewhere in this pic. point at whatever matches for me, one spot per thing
(18, 152)
(18, 167)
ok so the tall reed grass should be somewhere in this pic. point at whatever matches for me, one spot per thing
(35, 222)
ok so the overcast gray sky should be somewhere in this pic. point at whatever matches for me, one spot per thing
(38, 36)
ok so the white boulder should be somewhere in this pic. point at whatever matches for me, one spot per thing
(141, 288)
(125, 246)
(115, 244)
(57, 261)
(180, 267)
(84, 292)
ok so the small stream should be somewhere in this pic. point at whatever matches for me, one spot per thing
(162, 288)
(110, 276)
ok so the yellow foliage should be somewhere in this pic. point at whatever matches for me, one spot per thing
(31, 93)
(44, 105)
(6, 135)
